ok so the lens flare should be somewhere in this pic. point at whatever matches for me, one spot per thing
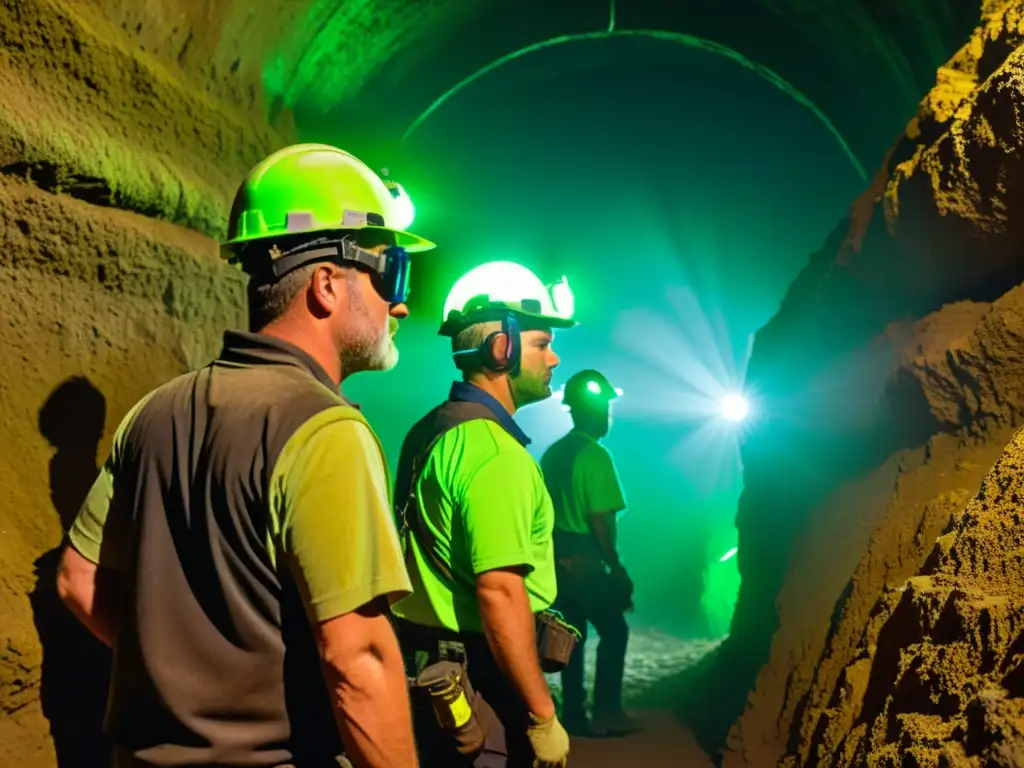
(734, 407)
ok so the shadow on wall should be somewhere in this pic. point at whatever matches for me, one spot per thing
(76, 666)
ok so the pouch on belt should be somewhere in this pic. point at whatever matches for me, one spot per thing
(445, 684)
(556, 640)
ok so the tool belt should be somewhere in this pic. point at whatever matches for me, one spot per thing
(439, 674)
(439, 679)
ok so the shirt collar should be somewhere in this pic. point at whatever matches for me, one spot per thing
(245, 348)
(463, 391)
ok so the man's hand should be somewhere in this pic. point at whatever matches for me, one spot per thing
(511, 632)
(550, 742)
(621, 587)
(365, 675)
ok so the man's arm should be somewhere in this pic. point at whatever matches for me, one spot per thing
(498, 502)
(510, 628)
(90, 592)
(604, 527)
(339, 541)
(604, 500)
(363, 669)
(88, 579)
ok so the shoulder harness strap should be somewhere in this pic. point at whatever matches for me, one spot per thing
(419, 444)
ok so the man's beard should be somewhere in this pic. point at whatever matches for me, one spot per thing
(368, 350)
(528, 389)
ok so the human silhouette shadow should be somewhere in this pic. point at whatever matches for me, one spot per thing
(76, 666)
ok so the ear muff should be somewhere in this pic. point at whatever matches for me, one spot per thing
(509, 361)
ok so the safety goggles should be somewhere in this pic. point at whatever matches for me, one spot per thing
(389, 270)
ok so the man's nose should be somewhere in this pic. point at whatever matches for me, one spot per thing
(554, 361)
(399, 311)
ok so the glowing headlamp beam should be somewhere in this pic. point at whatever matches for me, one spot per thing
(734, 407)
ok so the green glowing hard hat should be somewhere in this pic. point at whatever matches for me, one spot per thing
(309, 188)
(501, 287)
(588, 389)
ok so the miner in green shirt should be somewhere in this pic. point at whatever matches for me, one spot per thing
(479, 534)
(593, 586)
(238, 549)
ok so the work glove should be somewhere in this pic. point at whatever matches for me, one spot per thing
(550, 742)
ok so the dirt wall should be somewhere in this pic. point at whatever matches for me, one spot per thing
(124, 133)
(845, 500)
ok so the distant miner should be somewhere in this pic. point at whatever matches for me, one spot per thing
(238, 548)
(479, 523)
(593, 585)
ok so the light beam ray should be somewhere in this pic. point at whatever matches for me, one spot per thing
(680, 38)
(696, 324)
(659, 343)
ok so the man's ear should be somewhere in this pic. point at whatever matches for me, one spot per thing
(323, 296)
(499, 346)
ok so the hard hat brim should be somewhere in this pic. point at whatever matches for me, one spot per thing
(412, 243)
(451, 327)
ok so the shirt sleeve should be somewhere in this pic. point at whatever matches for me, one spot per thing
(497, 506)
(337, 533)
(601, 487)
(86, 534)
(102, 528)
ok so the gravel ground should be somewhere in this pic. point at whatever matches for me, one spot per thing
(652, 656)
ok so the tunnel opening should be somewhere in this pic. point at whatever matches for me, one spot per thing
(677, 256)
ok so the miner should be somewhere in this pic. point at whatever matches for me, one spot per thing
(237, 550)
(478, 523)
(593, 586)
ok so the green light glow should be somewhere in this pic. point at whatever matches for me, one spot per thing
(563, 298)
(594, 387)
(680, 38)
(402, 212)
(721, 579)
(501, 281)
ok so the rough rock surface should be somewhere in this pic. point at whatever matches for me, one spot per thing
(846, 495)
(937, 675)
(120, 128)
(98, 307)
(156, 111)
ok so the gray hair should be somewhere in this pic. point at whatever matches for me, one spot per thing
(269, 299)
(468, 340)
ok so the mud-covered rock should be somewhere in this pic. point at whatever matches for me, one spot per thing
(97, 306)
(924, 271)
(942, 652)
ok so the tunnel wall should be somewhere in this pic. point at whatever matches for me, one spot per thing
(897, 354)
(124, 133)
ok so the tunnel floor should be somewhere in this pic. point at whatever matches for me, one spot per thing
(665, 743)
(653, 658)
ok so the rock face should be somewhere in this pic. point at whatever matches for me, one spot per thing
(897, 356)
(936, 676)
(119, 130)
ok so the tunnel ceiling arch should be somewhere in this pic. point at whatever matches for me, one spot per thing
(653, 34)
(373, 66)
